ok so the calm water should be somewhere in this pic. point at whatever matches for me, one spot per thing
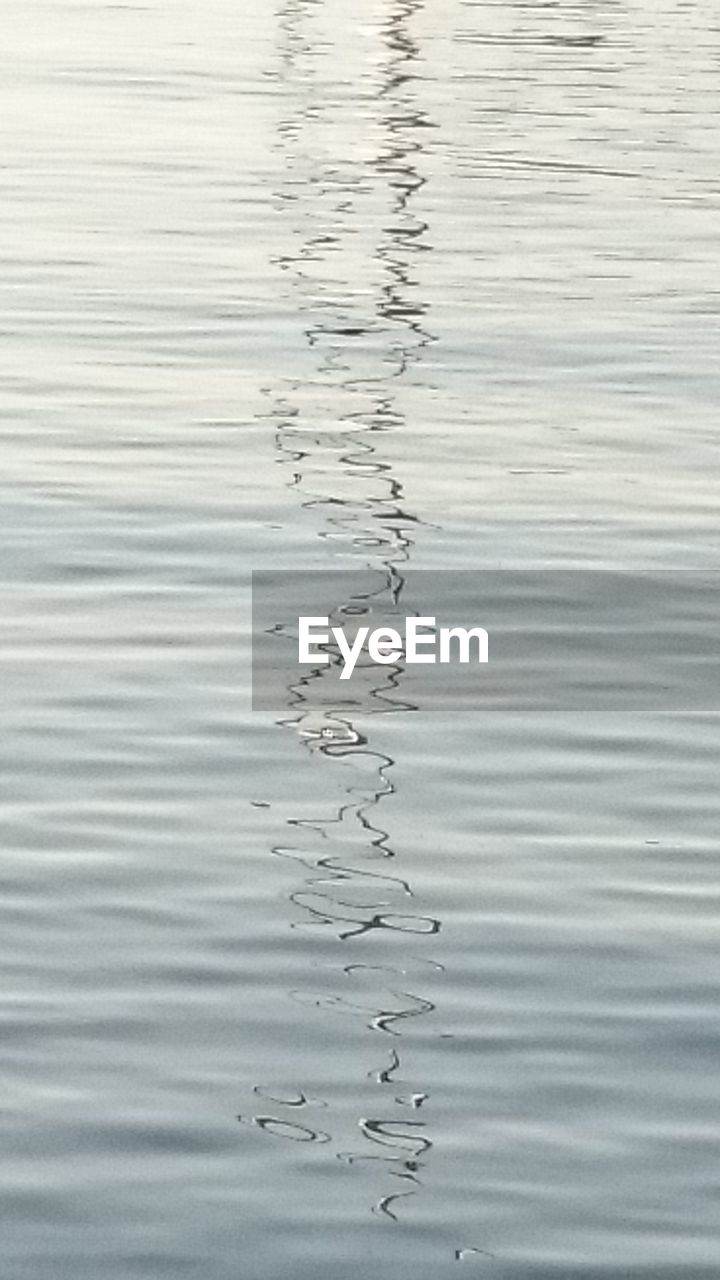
(306, 284)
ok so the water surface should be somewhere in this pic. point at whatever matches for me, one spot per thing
(304, 284)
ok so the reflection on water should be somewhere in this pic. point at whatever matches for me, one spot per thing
(390, 286)
(362, 344)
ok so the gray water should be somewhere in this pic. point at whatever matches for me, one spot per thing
(306, 284)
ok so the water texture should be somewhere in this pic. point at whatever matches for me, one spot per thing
(403, 990)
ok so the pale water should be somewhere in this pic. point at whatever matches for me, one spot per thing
(312, 284)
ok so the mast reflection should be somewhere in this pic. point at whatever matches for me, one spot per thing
(351, 243)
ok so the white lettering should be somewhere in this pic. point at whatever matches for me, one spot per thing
(463, 637)
(306, 638)
(385, 645)
(350, 652)
(412, 639)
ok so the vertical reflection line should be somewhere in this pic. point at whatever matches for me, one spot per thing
(328, 428)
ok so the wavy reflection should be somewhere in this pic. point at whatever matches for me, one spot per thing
(351, 241)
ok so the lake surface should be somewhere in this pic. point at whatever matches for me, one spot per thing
(300, 284)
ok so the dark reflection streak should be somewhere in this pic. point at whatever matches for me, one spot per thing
(381, 1132)
(383, 1206)
(343, 873)
(341, 475)
(379, 1022)
(396, 1166)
